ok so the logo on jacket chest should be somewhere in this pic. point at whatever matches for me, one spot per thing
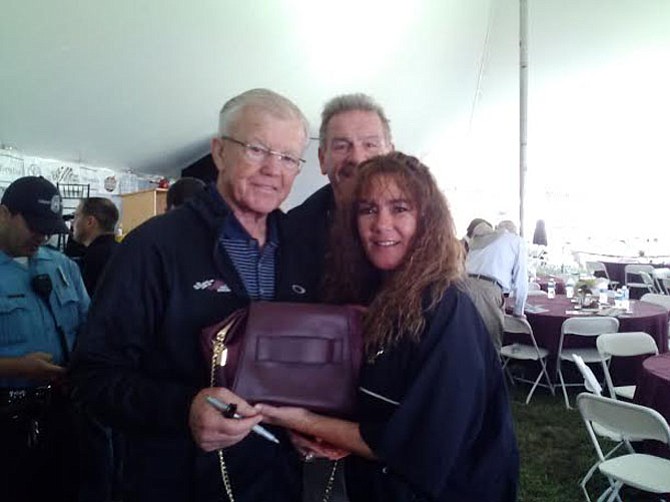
(215, 285)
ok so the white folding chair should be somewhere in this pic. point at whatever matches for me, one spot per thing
(597, 269)
(534, 286)
(635, 271)
(656, 299)
(525, 352)
(584, 327)
(623, 344)
(536, 292)
(649, 281)
(661, 276)
(593, 386)
(645, 472)
(665, 284)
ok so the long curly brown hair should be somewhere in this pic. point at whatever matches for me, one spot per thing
(397, 299)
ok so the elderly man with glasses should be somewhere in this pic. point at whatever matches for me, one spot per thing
(139, 366)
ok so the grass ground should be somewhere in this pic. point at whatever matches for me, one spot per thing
(555, 451)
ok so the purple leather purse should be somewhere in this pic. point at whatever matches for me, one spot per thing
(289, 354)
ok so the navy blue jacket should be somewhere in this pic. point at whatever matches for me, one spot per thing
(437, 415)
(138, 363)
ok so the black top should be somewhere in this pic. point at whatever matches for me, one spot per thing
(309, 224)
(95, 258)
(437, 416)
(138, 364)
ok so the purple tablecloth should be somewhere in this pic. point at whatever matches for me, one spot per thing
(653, 390)
(544, 284)
(546, 326)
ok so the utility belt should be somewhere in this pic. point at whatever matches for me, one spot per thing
(30, 402)
(30, 416)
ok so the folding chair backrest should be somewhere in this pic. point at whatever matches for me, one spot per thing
(648, 281)
(630, 420)
(634, 270)
(626, 344)
(534, 286)
(661, 273)
(513, 324)
(589, 326)
(597, 269)
(590, 381)
(519, 326)
(656, 299)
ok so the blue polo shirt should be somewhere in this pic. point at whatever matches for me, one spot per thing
(26, 325)
(255, 265)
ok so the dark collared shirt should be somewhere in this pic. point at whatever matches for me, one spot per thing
(255, 265)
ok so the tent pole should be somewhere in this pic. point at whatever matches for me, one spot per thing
(523, 110)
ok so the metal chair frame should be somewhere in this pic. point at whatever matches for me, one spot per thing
(525, 352)
(634, 422)
(623, 344)
(581, 326)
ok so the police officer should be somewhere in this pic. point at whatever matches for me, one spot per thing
(43, 303)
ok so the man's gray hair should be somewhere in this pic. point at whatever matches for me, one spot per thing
(349, 103)
(275, 104)
(507, 225)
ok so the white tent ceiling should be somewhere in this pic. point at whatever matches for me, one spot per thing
(138, 83)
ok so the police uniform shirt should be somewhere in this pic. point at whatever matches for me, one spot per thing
(26, 324)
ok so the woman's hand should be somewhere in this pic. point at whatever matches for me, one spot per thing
(334, 437)
(310, 447)
(298, 421)
(289, 417)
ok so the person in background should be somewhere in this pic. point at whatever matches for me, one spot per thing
(468, 233)
(540, 234)
(139, 366)
(354, 128)
(43, 304)
(93, 226)
(507, 225)
(73, 249)
(182, 190)
(433, 418)
(497, 262)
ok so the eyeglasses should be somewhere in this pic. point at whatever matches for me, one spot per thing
(258, 153)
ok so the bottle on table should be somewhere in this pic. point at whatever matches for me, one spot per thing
(625, 298)
(618, 298)
(551, 288)
(570, 288)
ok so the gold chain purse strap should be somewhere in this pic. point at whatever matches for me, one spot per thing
(219, 354)
(331, 481)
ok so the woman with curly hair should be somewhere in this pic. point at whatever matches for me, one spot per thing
(433, 419)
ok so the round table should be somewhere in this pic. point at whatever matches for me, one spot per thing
(546, 326)
(653, 390)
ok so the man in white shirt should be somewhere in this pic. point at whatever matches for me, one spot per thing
(496, 261)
